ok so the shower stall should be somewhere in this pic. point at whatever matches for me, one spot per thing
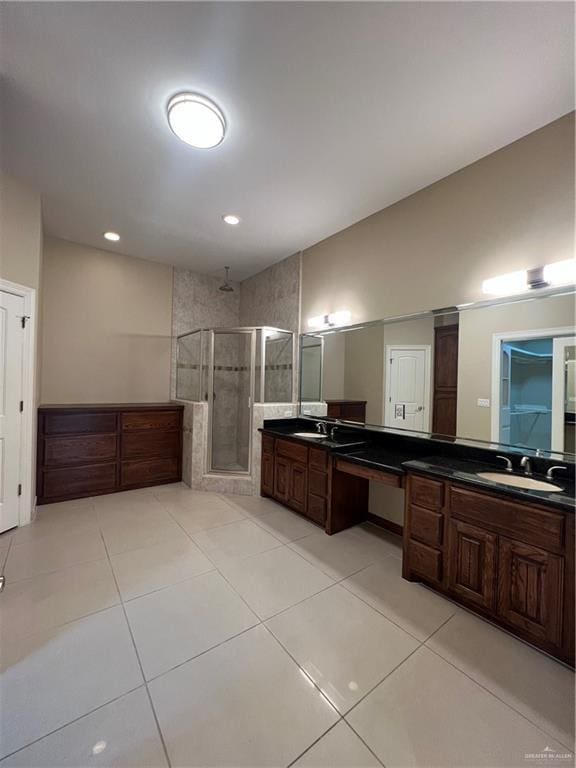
(231, 371)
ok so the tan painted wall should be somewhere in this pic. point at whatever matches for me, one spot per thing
(510, 210)
(20, 233)
(106, 326)
(477, 327)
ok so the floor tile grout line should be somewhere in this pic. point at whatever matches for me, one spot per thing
(71, 722)
(314, 742)
(495, 695)
(203, 653)
(420, 645)
(160, 734)
(303, 671)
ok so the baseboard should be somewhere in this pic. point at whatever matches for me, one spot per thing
(383, 523)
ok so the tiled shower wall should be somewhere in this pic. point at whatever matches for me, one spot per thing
(272, 298)
(197, 303)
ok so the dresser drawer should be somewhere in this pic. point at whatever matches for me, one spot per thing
(82, 449)
(79, 423)
(152, 445)
(521, 522)
(147, 472)
(426, 525)
(427, 493)
(78, 481)
(133, 421)
(293, 451)
(425, 561)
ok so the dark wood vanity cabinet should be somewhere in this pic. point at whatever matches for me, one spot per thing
(304, 478)
(90, 450)
(511, 561)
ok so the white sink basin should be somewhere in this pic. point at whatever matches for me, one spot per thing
(520, 481)
(315, 435)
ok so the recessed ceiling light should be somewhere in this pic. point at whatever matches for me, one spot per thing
(112, 236)
(196, 120)
(231, 218)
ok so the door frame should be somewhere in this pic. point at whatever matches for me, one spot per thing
(28, 422)
(497, 339)
(558, 393)
(427, 349)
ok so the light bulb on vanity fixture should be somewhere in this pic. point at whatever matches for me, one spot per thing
(334, 319)
(549, 276)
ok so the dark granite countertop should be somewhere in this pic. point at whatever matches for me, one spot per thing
(378, 458)
(460, 470)
(407, 455)
(342, 440)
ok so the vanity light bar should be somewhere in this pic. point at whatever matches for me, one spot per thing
(558, 273)
(341, 317)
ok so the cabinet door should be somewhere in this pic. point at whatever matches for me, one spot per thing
(282, 479)
(298, 486)
(267, 478)
(530, 587)
(472, 564)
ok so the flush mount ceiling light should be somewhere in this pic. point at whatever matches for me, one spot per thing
(196, 120)
(112, 236)
(232, 219)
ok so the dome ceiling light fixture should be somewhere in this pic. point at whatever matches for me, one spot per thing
(112, 236)
(232, 219)
(196, 120)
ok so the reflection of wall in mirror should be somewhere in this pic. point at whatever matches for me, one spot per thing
(477, 328)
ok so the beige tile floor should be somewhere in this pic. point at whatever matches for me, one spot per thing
(170, 627)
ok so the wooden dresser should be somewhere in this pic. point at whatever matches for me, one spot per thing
(89, 450)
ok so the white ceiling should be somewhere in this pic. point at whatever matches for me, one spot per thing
(335, 111)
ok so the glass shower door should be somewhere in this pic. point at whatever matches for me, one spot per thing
(231, 400)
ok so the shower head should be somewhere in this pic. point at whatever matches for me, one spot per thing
(227, 288)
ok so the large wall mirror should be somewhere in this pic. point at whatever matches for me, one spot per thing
(501, 372)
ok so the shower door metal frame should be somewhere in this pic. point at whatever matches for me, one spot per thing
(252, 333)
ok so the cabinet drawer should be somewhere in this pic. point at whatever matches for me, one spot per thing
(267, 444)
(145, 472)
(318, 482)
(425, 561)
(318, 459)
(521, 522)
(79, 449)
(145, 420)
(147, 446)
(426, 525)
(317, 509)
(78, 481)
(293, 451)
(426, 493)
(78, 423)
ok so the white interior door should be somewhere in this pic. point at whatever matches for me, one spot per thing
(11, 352)
(563, 388)
(407, 388)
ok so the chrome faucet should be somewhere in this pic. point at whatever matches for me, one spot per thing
(321, 428)
(525, 463)
(333, 431)
(509, 467)
(550, 473)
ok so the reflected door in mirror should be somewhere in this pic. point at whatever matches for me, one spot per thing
(407, 388)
